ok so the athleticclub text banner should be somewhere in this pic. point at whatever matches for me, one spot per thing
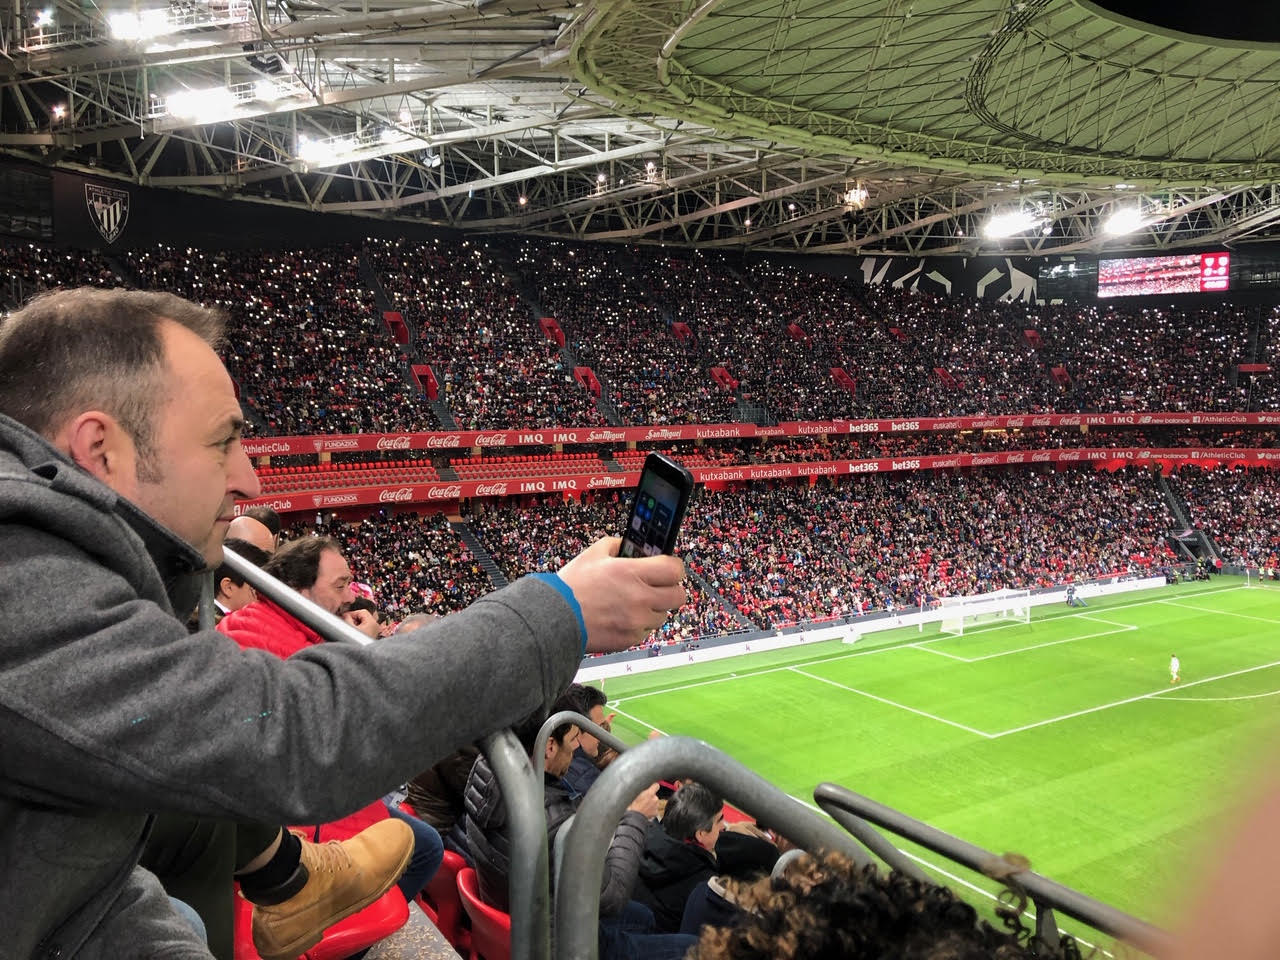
(465, 440)
(1105, 458)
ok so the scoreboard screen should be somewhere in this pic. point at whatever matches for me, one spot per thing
(1185, 273)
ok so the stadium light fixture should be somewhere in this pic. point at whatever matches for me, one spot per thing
(202, 106)
(1124, 220)
(43, 19)
(1012, 223)
(139, 24)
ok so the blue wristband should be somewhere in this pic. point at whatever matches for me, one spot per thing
(553, 579)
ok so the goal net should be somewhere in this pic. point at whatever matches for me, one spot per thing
(998, 607)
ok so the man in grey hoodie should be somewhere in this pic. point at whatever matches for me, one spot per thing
(120, 462)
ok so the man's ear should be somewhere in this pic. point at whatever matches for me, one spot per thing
(225, 585)
(96, 442)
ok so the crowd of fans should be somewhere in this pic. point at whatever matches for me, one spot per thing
(30, 268)
(413, 563)
(546, 534)
(310, 352)
(1239, 508)
(796, 552)
(306, 344)
(496, 368)
(649, 374)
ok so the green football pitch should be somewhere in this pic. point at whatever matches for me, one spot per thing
(1061, 739)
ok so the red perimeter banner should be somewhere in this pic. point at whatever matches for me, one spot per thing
(464, 440)
(439, 492)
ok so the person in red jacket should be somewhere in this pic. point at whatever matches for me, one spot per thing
(316, 568)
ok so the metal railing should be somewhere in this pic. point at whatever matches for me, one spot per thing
(576, 911)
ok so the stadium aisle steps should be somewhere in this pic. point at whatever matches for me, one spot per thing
(483, 557)
(443, 414)
(729, 608)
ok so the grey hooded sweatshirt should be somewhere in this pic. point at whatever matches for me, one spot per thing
(111, 713)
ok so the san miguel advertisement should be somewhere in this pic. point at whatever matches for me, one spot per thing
(1106, 458)
(463, 440)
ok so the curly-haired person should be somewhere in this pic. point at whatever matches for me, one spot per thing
(834, 909)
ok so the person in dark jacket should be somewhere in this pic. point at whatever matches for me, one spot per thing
(583, 769)
(120, 467)
(625, 925)
(679, 853)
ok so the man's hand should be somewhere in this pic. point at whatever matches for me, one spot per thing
(647, 803)
(622, 600)
(364, 621)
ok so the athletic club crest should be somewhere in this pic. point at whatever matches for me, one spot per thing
(108, 208)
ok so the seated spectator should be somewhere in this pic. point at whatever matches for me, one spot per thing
(583, 769)
(231, 592)
(679, 853)
(625, 926)
(317, 570)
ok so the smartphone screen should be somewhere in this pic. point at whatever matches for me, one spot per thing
(657, 510)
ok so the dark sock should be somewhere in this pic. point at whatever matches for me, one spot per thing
(279, 878)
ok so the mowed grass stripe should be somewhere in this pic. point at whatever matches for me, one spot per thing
(1117, 802)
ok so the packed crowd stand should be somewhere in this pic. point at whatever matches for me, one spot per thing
(1239, 508)
(306, 344)
(414, 563)
(311, 354)
(793, 552)
(649, 375)
(30, 268)
(541, 535)
(496, 368)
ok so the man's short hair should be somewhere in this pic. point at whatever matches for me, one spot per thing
(691, 809)
(364, 603)
(526, 730)
(588, 696)
(297, 563)
(68, 351)
(267, 517)
(243, 548)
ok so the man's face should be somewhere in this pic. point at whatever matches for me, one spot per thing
(332, 589)
(560, 753)
(707, 838)
(589, 744)
(198, 469)
(233, 597)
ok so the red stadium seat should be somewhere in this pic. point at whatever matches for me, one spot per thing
(490, 927)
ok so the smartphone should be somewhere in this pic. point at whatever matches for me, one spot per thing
(658, 508)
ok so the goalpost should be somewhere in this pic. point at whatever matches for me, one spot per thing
(1006, 606)
(1266, 577)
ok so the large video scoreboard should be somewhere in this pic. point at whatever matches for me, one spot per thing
(1184, 273)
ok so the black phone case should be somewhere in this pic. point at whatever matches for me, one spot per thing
(679, 477)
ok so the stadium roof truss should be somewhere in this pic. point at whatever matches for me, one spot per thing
(826, 126)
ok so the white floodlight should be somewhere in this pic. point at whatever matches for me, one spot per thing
(59, 111)
(139, 24)
(269, 92)
(523, 200)
(1124, 220)
(44, 18)
(406, 116)
(202, 106)
(1011, 223)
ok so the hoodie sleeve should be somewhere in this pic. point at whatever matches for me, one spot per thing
(104, 694)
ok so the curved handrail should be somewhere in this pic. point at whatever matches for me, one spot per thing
(1045, 893)
(578, 898)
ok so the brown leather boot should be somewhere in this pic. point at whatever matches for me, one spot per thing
(343, 877)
